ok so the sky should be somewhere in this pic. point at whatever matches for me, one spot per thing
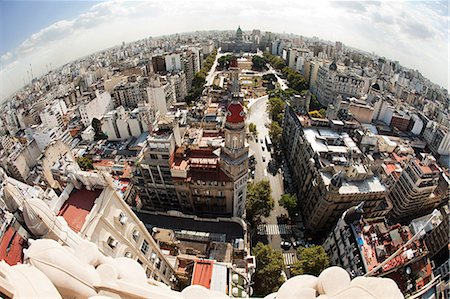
(40, 33)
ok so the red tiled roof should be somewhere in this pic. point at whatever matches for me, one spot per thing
(78, 206)
(235, 113)
(209, 176)
(202, 273)
(11, 247)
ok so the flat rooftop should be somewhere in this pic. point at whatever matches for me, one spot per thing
(322, 140)
(368, 185)
(78, 206)
(232, 230)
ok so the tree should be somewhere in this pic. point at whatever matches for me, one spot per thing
(314, 104)
(318, 113)
(312, 260)
(85, 163)
(269, 77)
(289, 202)
(97, 126)
(276, 108)
(224, 61)
(275, 132)
(252, 129)
(269, 264)
(258, 63)
(259, 200)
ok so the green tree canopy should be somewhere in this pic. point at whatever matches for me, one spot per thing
(85, 163)
(269, 77)
(259, 200)
(312, 260)
(276, 108)
(275, 61)
(269, 264)
(289, 202)
(314, 104)
(252, 129)
(199, 80)
(224, 61)
(258, 63)
(97, 126)
(275, 132)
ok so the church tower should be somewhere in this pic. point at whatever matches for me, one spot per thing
(234, 78)
(234, 154)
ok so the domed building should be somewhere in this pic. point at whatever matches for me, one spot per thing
(239, 43)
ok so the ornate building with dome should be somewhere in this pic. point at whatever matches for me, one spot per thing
(239, 43)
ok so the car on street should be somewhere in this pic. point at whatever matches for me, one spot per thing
(264, 158)
(298, 243)
(286, 244)
(263, 148)
(252, 174)
(261, 140)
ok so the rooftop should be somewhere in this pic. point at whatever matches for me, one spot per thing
(78, 206)
(231, 229)
(202, 273)
(11, 247)
(368, 185)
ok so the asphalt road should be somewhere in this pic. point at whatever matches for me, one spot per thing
(259, 116)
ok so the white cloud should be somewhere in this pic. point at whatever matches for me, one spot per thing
(7, 56)
(415, 33)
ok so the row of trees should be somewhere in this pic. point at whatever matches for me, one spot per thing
(270, 264)
(199, 80)
(276, 61)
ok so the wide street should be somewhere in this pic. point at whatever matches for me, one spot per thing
(259, 116)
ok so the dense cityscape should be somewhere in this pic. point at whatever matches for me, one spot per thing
(244, 161)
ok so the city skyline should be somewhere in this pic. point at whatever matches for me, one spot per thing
(414, 33)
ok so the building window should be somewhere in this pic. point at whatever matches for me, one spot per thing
(144, 247)
(112, 242)
(135, 235)
(122, 218)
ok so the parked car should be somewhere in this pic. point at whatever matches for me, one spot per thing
(286, 245)
(261, 140)
(263, 148)
(298, 243)
(264, 158)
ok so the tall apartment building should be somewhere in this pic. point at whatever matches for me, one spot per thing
(21, 160)
(173, 62)
(161, 94)
(159, 64)
(130, 94)
(359, 244)
(52, 116)
(95, 108)
(330, 174)
(203, 180)
(189, 68)
(152, 180)
(331, 83)
(438, 138)
(178, 80)
(121, 123)
(412, 194)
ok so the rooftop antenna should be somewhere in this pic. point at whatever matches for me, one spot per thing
(31, 72)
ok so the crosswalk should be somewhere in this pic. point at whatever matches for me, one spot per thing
(289, 258)
(274, 229)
